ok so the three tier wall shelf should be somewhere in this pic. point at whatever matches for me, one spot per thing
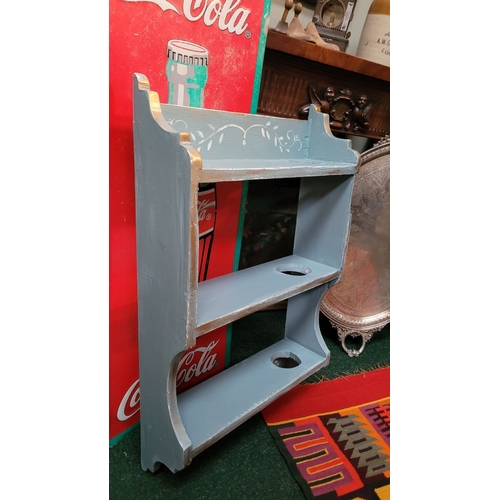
(176, 149)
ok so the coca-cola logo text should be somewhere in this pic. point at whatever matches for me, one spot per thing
(225, 13)
(188, 369)
(129, 405)
(204, 211)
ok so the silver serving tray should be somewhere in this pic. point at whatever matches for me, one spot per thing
(360, 304)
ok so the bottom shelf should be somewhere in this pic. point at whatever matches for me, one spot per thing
(215, 407)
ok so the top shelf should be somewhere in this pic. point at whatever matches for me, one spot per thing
(308, 50)
(224, 170)
(238, 146)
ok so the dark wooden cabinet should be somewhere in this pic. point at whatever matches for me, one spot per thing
(295, 73)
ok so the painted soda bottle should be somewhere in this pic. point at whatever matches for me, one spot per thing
(207, 208)
(187, 75)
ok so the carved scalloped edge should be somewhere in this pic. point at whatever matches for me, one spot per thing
(355, 327)
(320, 124)
(385, 140)
(346, 322)
(381, 148)
(142, 83)
(365, 335)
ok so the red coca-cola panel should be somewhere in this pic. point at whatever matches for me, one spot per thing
(231, 32)
(207, 212)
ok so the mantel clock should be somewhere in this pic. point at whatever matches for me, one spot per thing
(332, 18)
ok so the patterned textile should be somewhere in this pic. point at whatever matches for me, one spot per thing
(335, 436)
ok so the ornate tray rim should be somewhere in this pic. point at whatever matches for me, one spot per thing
(359, 325)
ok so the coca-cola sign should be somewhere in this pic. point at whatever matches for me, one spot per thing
(226, 13)
(195, 363)
(232, 33)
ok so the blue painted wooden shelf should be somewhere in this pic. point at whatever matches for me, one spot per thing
(176, 149)
(228, 298)
(212, 409)
(223, 170)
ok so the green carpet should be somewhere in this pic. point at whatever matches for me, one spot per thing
(246, 463)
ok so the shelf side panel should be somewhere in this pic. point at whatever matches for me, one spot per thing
(302, 320)
(323, 145)
(323, 219)
(164, 213)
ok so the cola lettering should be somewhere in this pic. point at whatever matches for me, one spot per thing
(187, 369)
(129, 405)
(228, 15)
(230, 18)
(129, 402)
(203, 208)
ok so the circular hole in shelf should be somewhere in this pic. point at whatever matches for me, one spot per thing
(294, 270)
(285, 359)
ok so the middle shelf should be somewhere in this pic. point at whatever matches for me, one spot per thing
(230, 297)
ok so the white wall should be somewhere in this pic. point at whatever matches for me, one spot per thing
(355, 27)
